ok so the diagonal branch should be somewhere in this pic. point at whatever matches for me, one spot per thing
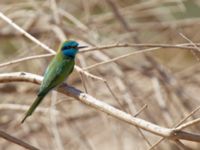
(87, 99)
(26, 34)
(16, 140)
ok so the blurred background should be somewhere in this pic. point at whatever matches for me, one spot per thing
(166, 80)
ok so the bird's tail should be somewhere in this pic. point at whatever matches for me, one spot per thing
(34, 106)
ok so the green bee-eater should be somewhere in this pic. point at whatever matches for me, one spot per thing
(58, 70)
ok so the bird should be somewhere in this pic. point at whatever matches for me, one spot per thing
(58, 70)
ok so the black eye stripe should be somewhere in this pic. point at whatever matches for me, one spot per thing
(68, 47)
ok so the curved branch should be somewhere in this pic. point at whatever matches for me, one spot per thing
(87, 99)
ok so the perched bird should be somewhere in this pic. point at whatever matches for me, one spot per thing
(58, 70)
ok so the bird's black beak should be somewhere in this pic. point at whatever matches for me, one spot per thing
(80, 47)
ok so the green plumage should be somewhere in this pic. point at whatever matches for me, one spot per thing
(58, 70)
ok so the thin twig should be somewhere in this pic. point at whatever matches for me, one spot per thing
(87, 74)
(147, 45)
(181, 145)
(141, 109)
(194, 45)
(190, 123)
(189, 115)
(176, 126)
(114, 96)
(17, 141)
(157, 143)
(22, 31)
(119, 57)
(25, 59)
(17, 107)
(139, 130)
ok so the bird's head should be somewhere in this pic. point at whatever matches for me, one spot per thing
(70, 48)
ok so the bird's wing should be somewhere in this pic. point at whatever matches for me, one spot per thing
(55, 74)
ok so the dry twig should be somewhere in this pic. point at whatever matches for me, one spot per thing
(17, 141)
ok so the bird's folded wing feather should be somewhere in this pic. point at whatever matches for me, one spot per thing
(54, 74)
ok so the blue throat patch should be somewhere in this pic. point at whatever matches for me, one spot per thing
(70, 52)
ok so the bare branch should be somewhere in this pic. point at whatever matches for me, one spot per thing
(24, 59)
(16, 141)
(190, 123)
(187, 46)
(120, 57)
(87, 99)
(26, 34)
